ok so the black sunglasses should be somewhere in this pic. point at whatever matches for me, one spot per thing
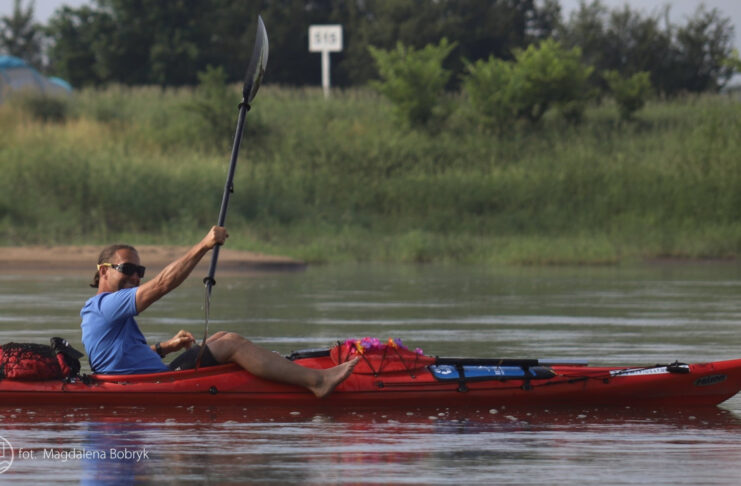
(126, 268)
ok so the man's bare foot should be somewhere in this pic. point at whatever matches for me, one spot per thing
(331, 377)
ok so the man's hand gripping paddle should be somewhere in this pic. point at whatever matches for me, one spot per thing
(253, 78)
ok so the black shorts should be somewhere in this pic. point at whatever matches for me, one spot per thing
(187, 359)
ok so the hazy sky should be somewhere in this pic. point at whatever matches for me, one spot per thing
(680, 12)
(42, 8)
(680, 9)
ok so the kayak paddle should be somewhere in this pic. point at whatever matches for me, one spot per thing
(255, 72)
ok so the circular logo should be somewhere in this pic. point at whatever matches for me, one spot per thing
(7, 454)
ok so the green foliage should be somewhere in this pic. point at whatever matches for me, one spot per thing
(491, 88)
(167, 43)
(733, 61)
(212, 107)
(79, 34)
(480, 29)
(333, 180)
(414, 81)
(111, 106)
(150, 41)
(705, 42)
(501, 92)
(551, 75)
(20, 36)
(44, 108)
(132, 42)
(629, 93)
(679, 58)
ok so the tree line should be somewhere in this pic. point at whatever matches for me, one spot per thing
(137, 42)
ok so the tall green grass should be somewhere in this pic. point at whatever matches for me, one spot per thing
(335, 180)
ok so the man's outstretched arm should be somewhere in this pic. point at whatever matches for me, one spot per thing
(176, 272)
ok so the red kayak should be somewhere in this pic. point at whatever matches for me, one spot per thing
(389, 375)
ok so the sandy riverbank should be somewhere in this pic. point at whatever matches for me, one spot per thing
(81, 260)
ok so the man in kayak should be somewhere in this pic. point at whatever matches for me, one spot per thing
(115, 344)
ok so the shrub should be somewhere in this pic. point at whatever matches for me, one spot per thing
(630, 93)
(500, 92)
(492, 92)
(213, 106)
(44, 108)
(551, 75)
(414, 81)
(733, 61)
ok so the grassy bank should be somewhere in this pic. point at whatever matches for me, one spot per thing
(335, 180)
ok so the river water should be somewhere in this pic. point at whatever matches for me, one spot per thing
(614, 315)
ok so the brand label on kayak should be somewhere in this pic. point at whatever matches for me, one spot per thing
(640, 371)
(710, 380)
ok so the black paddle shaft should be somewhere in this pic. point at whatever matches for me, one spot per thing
(228, 190)
(253, 78)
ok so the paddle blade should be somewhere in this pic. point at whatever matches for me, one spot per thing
(258, 63)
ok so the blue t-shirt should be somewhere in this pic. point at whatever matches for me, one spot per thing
(113, 341)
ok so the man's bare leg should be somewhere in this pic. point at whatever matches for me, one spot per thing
(231, 347)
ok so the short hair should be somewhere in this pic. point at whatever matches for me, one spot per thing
(105, 255)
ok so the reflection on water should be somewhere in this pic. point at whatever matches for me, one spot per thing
(607, 315)
(427, 446)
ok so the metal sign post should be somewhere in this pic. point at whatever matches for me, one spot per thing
(325, 39)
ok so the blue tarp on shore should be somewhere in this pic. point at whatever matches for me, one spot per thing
(16, 75)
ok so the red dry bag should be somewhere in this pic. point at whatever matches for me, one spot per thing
(37, 362)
